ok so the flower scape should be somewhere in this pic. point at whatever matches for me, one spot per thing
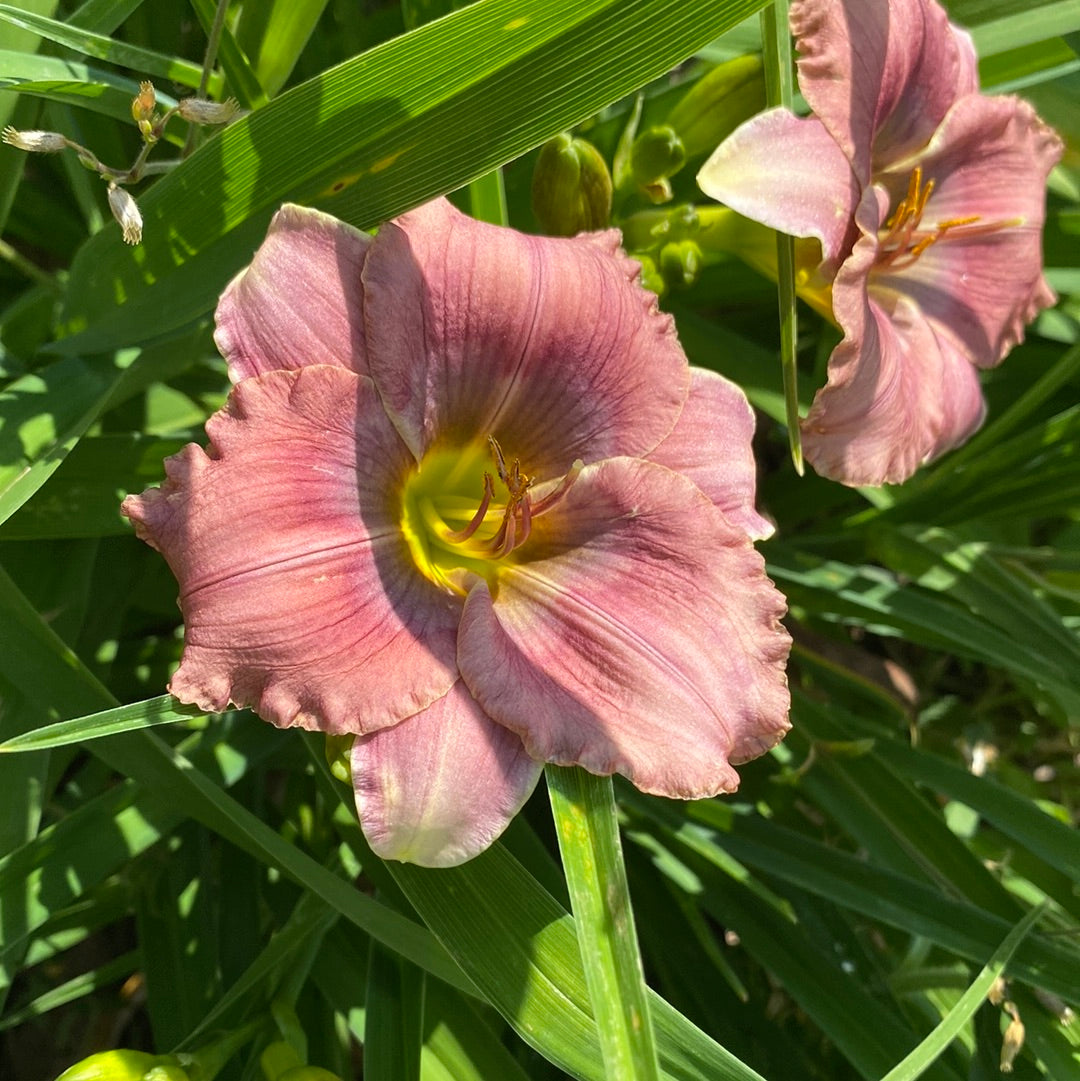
(469, 503)
(927, 199)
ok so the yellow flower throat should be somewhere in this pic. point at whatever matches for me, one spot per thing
(454, 519)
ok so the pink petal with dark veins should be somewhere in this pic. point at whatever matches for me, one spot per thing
(548, 344)
(989, 160)
(711, 444)
(898, 393)
(299, 302)
(299, 596)
(880, 74)
(641, 636)
(440, 787)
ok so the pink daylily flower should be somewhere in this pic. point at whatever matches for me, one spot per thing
(468, 502)
(927, 199)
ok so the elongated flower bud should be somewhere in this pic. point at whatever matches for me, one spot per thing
(126, 211)
(201, 111)
(571, 190)
(718, 103)
(35, 142)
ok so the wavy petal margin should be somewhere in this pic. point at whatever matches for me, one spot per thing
(440, 787)
(300, 301)
(712, 445)
(299, 597)
(642, 636)
(880, 74)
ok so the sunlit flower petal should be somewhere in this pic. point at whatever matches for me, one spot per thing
(641, 636)
(539, 341)
(983, 289)
(418, 784)
(940, 260)
(711, 445)
(300, 301)
(298, 594)
(813, 195)
(880, 74)
(461, 419)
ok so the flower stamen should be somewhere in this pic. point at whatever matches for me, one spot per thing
(902, 241)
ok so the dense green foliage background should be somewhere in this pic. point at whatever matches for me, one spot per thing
(160, 889)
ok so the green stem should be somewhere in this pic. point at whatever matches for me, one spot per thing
(776, 46)
(585, 818)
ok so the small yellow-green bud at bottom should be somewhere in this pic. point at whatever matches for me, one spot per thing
(35, 142)
(120, 1065)
(338, 753)
(656, 155)
(170, 1072)
(680, 263)
(308, 1073)
(718, 103)
(571, 188)
(200, 111)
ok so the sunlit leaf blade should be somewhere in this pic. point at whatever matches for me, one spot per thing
(163, 710)
(583, 807)
(72, 82)
(519, 947)
(917, 1062)
(486, 84)
(143, 63)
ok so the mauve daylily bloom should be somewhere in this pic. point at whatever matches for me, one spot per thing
(927, 199)
(468, 502)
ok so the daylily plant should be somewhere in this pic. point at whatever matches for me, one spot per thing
(468, 502)
(927, 199)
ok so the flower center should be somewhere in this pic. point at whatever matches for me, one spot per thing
(457, 517)
(904, 238)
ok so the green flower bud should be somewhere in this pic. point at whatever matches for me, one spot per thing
(656, 155)
(338, 751)
(571, 189)
(718, 103)
(170, 1072)
(124, 1065)
(277, 1059)
(680, 263)
(651, 278)
(308, 1073)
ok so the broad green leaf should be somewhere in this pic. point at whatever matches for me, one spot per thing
(143, 63)
(42, 416)
(71, 82)
(486, 83)
(873, 598)
(997, 26)
(82, 498)
(520, 948)
(52, 677)
(273, 34)
(112, 972)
